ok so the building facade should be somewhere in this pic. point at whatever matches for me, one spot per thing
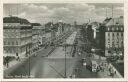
(17, 37)
(94, 34)
(114, 37)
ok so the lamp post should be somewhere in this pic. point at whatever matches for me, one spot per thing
(65, 60)
(29, 63)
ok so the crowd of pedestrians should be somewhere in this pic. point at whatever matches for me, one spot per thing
(109, 70)
(8, 59)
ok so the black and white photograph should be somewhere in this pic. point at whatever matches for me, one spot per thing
(63, 40)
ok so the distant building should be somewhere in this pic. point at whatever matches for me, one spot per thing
(114, 37)
(17, 36)
(53, 32)
(94, 34)
(75, 24)
(60, 28)
(95, 28)
(37, 35)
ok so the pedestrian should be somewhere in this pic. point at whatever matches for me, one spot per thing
(70, 76)
(74, 76)
(4, 62)
(112, 74)
(115, 72)
(103, 69)
(110, 71)
(7, 61)
(97, 69)
(17, 57)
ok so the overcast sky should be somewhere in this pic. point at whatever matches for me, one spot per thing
(68, 12)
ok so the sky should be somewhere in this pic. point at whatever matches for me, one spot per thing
(67, 12)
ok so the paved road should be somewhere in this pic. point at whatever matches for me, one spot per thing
(23, 68)
(82, 71)
(52, 66)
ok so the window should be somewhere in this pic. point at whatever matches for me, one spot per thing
(109, 51)
(108, 40)
(4, 50)
(116, 28)
(117, 34)
(4, 42)
(16, 43)
(122, 42)
(122, 34)
(113, 34)
(108, 45)
(121, 28)
(7, 51)
(12, 43)
(117, 23)
(10, 50)
(112, 28)
(8, 43)
(108, 29)
(108, 34)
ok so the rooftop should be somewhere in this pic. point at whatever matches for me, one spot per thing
(13, 19)
(115, 21)
(35, 24)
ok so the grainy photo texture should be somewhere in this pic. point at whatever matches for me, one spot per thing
(63, 40)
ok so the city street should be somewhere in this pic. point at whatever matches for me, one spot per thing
(42, 66)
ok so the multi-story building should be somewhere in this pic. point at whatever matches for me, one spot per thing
(60, 28)
(94, 34)
(114, 37)
(53, 32)
(17, 36)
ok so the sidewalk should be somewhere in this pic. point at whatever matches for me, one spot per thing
(81, 71)
(106, 74)
(15, 62)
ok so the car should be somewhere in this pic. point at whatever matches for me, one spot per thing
(94, 66)
(84, 61)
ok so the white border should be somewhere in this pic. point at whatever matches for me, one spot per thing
(63, 1)
(68, 1)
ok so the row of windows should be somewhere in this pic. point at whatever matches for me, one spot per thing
(11, 30)
(15, 50)
(11, 43)
(23, 32)
(11, 50)
(115, 34)
(115, 40)
(114, 45)
(15, 30)
(115, 28)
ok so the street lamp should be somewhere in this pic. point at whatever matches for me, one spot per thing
(65, 60)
